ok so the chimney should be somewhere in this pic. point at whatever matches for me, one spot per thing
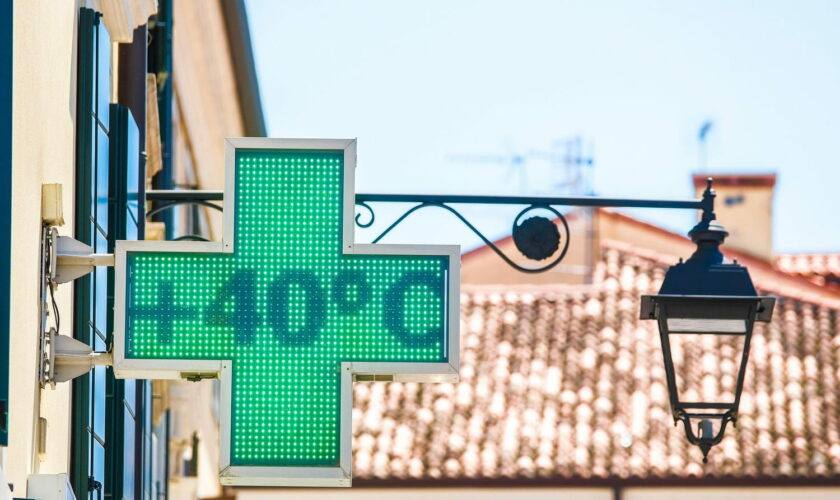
(744, 205)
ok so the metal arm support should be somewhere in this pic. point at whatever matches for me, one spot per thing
(71, 259)
(184, 194)
(569, 201)
(65, 358)
(531, 236)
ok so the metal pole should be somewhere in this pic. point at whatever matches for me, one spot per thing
(572, 201)
(160, 63)
(184, 194)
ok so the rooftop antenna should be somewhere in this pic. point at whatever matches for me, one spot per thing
(577, 167)
(515, 161)
(569, 168)
(702, 134)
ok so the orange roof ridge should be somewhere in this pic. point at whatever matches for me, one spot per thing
(739, 180)
(800, 289)
(779, 282)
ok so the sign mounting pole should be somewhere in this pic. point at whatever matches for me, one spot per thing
(287, 310)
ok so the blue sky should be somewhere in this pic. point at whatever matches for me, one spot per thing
(419, 83)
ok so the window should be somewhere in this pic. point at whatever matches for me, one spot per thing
(111, 427)
(91, 223)
(128, 433)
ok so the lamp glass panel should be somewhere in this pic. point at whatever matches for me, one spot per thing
(706, 366)
(706, 325)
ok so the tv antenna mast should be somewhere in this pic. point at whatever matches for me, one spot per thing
(570, 168)
(702, 143)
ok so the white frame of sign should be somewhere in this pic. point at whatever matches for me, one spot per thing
(176, 369)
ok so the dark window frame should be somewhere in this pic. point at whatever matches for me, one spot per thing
(81, 438)
(6, 77)
(127, 409)
(109, 436)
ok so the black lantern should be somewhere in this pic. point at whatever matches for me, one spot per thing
(706, 309)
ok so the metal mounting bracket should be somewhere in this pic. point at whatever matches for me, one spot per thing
(64, 358)
(74, 259)
(64, 259)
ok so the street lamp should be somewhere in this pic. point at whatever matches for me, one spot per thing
(706, 310)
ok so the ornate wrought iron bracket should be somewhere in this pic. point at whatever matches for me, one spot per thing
(536, 237)
(527, 236)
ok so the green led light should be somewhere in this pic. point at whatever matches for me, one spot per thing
(287, 307)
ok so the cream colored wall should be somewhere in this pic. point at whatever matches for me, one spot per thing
(750, 223)
(426, 493)
(751, 493)
(205, 94)
(43, 138)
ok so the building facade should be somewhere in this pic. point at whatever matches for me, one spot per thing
(106, 99)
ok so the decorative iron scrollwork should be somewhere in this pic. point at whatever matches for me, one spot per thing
(371, 215)
(535, 244)
(537, 237)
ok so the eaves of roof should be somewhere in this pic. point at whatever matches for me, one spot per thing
(245, 73)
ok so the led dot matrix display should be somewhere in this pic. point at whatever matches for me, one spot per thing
(287, 307)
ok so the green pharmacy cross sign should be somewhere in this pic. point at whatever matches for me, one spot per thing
(287, 311)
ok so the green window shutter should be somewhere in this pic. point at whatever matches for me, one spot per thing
(6, 20)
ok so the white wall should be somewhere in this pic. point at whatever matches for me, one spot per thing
(427, 493)
(500, 493)
(44, 103)
(775, 493)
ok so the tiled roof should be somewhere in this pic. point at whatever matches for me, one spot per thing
(566, 382)
(821, 268)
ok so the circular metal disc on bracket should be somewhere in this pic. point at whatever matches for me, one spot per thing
(536, 237)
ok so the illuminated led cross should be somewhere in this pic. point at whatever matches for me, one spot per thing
(286, 310)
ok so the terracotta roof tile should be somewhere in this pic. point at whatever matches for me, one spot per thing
(822, 268)
(567, 382)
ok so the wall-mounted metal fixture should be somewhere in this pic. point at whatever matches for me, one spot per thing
(64, 358)
(74, 259)
(703, 296)
(533, 245)
(64, 259)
